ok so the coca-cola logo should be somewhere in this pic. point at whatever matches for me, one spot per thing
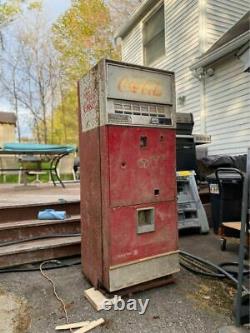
(141, 87)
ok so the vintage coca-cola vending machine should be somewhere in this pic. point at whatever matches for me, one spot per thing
(128, 182)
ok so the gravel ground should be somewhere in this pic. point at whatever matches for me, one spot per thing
(192, 304)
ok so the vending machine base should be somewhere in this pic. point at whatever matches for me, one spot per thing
(143, 271)
(157, 283)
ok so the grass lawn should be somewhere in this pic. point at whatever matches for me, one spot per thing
(11, 178)
(44, 178)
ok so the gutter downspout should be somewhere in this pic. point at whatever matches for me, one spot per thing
(231, 46)
(202, 49)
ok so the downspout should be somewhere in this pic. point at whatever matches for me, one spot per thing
(202, 49)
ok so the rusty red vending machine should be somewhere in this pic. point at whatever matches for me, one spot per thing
(128, 184)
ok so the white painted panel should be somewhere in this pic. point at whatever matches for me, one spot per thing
(132, 48)
(228, 105)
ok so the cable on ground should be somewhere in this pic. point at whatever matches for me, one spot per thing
(54, 289)
(204, 267)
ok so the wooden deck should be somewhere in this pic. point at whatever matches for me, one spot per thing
(19, 195)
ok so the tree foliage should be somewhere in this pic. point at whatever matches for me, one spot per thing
(41, 71)
(121, 10)
(8, 9)
(82, 36)
(64, 127)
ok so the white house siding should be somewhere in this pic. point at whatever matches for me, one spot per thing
(132, 48)
(228, 105)
(182, 47)
(227, 101)
(221, 15)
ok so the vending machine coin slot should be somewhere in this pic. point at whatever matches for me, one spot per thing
(156, 191)
(143, 141)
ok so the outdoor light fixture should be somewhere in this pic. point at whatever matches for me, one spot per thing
(181, 100)
(210, 72)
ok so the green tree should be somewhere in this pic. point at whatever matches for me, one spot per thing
(64, 120)
(82, 36)
(8, 9)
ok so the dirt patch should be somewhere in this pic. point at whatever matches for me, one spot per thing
(14, 313)
(215, 296)
(23, 317)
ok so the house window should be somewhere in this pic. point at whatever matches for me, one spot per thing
(154, 36)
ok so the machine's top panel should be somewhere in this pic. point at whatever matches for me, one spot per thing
(117, 93)
(140, 85)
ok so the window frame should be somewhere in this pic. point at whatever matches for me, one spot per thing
(152, 12)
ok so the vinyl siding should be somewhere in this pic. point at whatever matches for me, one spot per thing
(228, 105)
(221, 16)
(182, 47)
(187, 32)
(132, 47)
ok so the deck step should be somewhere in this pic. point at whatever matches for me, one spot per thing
(27, 229)
(39, 250)
(24, 212)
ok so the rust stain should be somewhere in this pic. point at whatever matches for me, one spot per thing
(153, 162)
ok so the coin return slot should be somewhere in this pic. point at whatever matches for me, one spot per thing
(145, 220)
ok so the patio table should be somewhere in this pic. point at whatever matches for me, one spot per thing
(51, 153)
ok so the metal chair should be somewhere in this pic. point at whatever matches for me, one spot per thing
(34, 164)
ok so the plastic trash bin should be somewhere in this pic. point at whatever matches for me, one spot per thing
(225, 187)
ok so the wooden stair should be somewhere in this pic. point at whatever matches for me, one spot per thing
(27, 212)
(21, 230)
(25, 239)
(39, 250)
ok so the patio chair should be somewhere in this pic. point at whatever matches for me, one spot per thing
(34, 164)
(66, 166)
(10, 162)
